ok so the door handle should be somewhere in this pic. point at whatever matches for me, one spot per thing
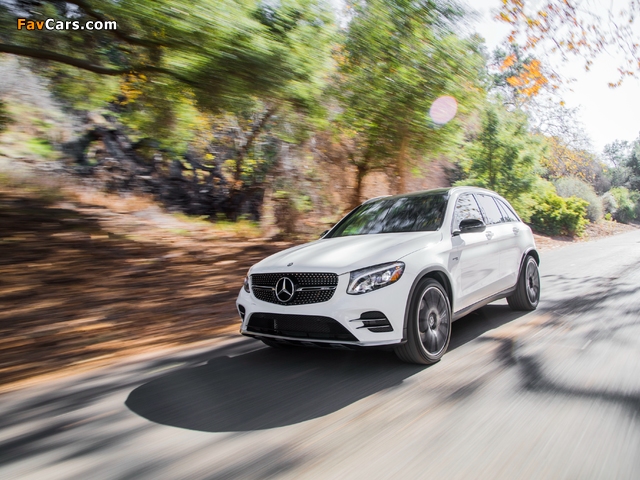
(489, 235)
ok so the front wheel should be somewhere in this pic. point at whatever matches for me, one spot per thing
(428, 324)
(527, 293)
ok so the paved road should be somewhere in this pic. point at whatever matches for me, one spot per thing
(551, 394)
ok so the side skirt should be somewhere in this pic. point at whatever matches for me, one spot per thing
(465, 311)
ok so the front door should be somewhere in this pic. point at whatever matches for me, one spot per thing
(475, 257)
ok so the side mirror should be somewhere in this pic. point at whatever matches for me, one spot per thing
(470, 225)
(324, 233)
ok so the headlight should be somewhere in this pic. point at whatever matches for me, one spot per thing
(246, 284)
(372, 278)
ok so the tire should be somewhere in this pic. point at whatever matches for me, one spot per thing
(527, 293)
(428, 324)
(274, 343)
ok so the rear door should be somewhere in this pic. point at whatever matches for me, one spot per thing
(512, 254)
(504, 238)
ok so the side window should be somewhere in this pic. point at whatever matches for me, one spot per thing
(490, 209)
(466, 207)
(507, 212)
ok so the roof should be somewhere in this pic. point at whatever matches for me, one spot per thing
(436, 191)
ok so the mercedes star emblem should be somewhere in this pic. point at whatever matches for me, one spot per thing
(285, 289)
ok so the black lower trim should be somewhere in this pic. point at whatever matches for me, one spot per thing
(374, 321)
(482, 303)
(313, 327)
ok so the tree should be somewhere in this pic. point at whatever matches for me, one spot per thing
(624, 160)
(517, 76)
(173, 69)
(503, 156)
(398, 57)
(561, 160)
(221, 54)
(633, 164)
(579, 28)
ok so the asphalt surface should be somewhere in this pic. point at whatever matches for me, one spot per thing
(551, 394)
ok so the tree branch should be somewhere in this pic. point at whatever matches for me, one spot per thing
(143, 42)
(86, 65)
(255, 130)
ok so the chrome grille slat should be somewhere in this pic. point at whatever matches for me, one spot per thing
(310, 287)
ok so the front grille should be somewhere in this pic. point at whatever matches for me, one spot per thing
(313, 327)
(321, 287)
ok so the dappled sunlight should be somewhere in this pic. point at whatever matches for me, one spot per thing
(82, 283)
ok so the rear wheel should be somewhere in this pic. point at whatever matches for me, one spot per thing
(428, 324)
(527, 294)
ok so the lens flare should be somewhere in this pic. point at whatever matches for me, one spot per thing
(443, 109)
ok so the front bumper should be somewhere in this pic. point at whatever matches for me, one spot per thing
(345, 309)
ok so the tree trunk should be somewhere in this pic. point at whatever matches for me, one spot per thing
(361, 171)
(401, 165)
(244, 149)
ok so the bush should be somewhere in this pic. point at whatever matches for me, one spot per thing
(525, 204)
(609, 204)
(574, 187)
(555, 215)
(626, 204)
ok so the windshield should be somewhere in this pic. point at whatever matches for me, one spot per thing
(419, 213)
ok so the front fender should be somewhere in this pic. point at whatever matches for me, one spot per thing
(427, 272)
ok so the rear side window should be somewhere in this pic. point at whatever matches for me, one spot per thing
(466, 207)
(490, 209)
(508, 214)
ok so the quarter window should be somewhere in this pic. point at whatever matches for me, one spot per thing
(490, 209)
(466, 207)
(507, 213)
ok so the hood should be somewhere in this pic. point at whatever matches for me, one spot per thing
(344, 254)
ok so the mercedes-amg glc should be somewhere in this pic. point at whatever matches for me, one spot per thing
(395, 271)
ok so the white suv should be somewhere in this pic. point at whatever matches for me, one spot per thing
(395, 271)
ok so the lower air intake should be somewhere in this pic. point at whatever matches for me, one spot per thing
(312, 327)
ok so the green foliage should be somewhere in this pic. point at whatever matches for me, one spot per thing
(398, 57)
(574, 187)
(80, 90)
(626, 201)
(40, 147)
(503, 157)
(168, 60)
(5, 118)
(624, 160)
(609, 204)
(555, 215)
(153, 109)
(633, 164)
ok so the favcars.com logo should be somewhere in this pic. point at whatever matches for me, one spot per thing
(53, 24)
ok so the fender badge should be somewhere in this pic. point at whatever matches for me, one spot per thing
(289, 264)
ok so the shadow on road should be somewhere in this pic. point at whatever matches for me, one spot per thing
(271, 388)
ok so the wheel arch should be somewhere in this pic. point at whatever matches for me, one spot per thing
(531, 252)
(438, 274)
